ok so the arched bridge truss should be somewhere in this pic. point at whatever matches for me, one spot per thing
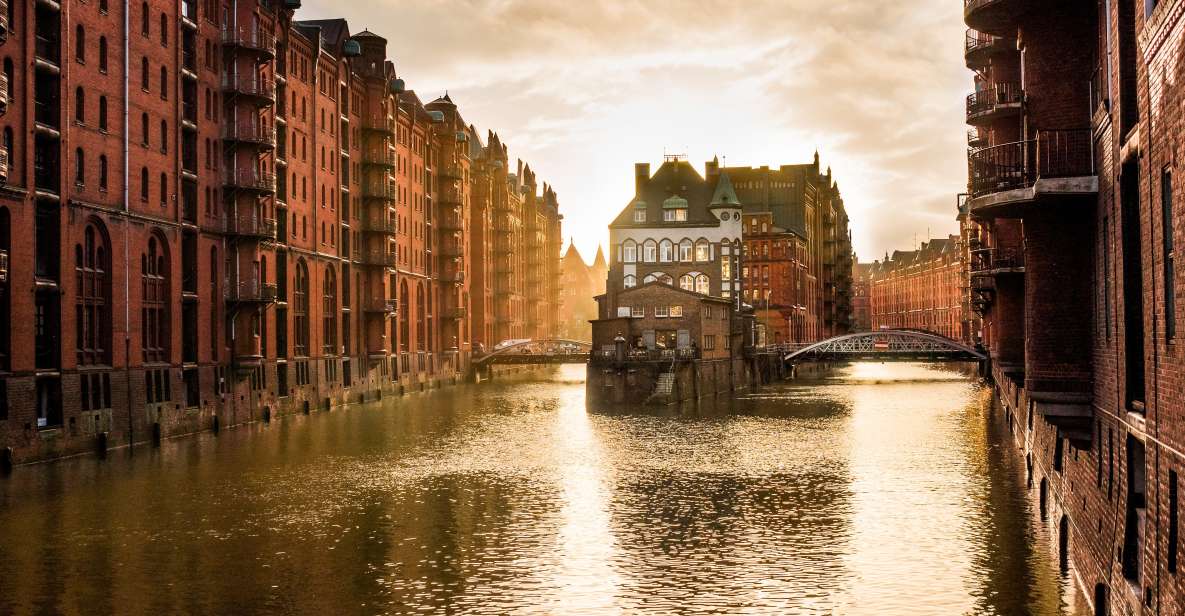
(549, 351)
(887, 344)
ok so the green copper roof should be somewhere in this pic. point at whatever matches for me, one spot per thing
(725, 195)
(674, 202)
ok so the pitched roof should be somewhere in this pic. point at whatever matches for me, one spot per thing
(724, 195)
(675, 180)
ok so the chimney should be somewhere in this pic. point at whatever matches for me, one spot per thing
(641, 176)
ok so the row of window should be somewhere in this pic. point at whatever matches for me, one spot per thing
(666, 251)
(661, 312)
(694, 281)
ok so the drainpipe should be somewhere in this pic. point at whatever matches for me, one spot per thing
(127, 315)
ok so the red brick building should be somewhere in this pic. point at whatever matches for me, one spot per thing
(919, 289)
(582, 283)
(223, 213)
(1071, 221)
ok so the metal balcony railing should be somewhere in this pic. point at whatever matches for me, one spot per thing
(250, 132)
(382, 305)
(452, 250)
(454, 277)
(985, 101)
(376, 257)
(380, 225)
(250, 85)
(1053, 154)
(384, 157)
(382, 124)
(3, 93)
(3, 266)
(977, 138)
(248, 37)
(249, 290)
(978, 43)
(378, 190)
(3, 164)
(250, 226)
(249, 179)
(452, 222)
(457, 313)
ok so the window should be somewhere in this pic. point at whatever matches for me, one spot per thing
(144, 74)
(702, 285)
(662, 312)
(1170, 300)
(649, 251)
(709, 342)
(154, 328)
(144, 183)
(703, 251)
(164, 189)
(676, 311)
(638, 312)
(164, 30)
(300, 311)
(687, 282)
(144, 129)
(144, 19)
(103, 113)
(79, 105)
(164, 83)
(666, 251)
(685, 251)
(629, 250)
(678, 215)
(79, 167)
(631, 281)
(102, 172)
(164, 136)
(80, 44)
(92, 315)
(639, 215)
(103, 54)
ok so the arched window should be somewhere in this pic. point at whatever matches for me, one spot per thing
(214, 324)
(703, 252)
(80, 43)
(666, 251)
(144, 183)
(144, 129)
(404, 316)
(144, 74)
(103, 54)
(421, 324)
(650, 278)
(666, 279)
(631, 281)
(79, 167)
(8, 144)
(164, 83)
(300, 311)
(164, 189)
(102, 172)
(649, 251)
(144, 18)
(154, 304)
(685, 250)
(79, 105)
(164, 30)
(629, 251)
(164, 136)
(687, 282)
(92, 297)
(703, 285)
(329, 312)
(102, 113)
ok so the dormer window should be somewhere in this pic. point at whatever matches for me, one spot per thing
(674, 209)
(639, 211)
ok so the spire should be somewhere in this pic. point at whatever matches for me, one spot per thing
(724, 196)
(599, 262)
(816, 157)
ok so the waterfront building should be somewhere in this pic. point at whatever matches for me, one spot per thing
(811, 301)
(582, 283)
(267, 220)
(1072, 214)
(919, 289)
(861, 291)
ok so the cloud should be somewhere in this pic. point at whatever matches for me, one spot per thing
(582, 90)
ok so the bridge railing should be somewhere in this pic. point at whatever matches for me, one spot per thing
(638, 355)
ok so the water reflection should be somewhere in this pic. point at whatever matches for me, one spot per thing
(880, 490)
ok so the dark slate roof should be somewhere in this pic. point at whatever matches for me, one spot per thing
(333, 31)
(724, 195)
(676, 179)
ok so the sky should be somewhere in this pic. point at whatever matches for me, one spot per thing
(581, 90)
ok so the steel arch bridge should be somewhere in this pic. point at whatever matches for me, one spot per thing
(887, 344)
(546, 351)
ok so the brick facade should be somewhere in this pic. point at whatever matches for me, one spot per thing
(920, 289)
(1071, 224)
(292, 228)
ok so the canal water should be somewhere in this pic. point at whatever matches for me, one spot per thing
(884, 489)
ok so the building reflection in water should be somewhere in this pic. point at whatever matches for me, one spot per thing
(879, 490)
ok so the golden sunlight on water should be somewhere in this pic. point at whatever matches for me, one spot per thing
(883, 489)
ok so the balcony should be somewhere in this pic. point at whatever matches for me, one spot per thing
(381, 258)
(381, 305)
(450, 172)
(378, 190)
(452, 250)
(977, 138)
(993, 16)
(47, 52)
(382, 158)
(1057, 165)
(249, 291)
(250, 39)
(988, 261)
(252, 133)
(979, 48)
(249, 180)
(3, 93)
(375, 224)
(250, 227)
(996, 101)
(380, 124)
(3, 164)
(457, 314)
(456, 277)
(451, 223)
(3, 266)
(261, 90)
